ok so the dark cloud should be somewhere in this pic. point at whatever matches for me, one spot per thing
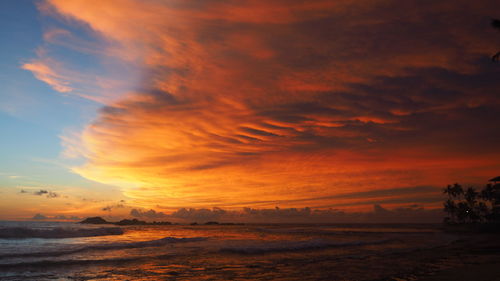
(52, 195)
(63, 217)
(192, 214)
(109, 208)
(151, 214)
(39, 217)
(415, 213)
(56, 217)
(41, 192)
(410, 213)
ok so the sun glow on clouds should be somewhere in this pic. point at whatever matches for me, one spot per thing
(45, 73)
(251, 103)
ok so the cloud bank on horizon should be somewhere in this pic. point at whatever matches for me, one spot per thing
(290, 103)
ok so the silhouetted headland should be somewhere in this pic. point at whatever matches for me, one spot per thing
(218, 223)
(223, 223)
(99, 220)
(95, 220)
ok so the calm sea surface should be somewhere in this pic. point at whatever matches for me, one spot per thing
(57, 251)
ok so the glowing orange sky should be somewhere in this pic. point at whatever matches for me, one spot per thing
(289, 103)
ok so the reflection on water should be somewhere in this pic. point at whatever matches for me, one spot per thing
(215, 252)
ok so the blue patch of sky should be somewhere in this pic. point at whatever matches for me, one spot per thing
(32, 114)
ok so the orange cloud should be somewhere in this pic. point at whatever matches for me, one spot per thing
(281, 102)
(45, 73)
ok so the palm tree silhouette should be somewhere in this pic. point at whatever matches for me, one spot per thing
(456, 211)
(448, 190)
(470, 206)
(451, 208)
(495, 24)
(471, 196)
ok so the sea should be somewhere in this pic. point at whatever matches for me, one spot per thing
(73, 251)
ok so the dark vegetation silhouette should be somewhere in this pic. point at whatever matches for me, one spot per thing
(495, 24)
(470, 206)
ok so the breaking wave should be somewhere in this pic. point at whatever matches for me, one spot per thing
(288, 246)
(58, 232)
(45, 263)
(110, 246)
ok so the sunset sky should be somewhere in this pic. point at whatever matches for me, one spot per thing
(118, 107)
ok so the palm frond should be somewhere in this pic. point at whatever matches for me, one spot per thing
(495, 23)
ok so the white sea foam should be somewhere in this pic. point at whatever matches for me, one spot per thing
(108, 246)
(57, 232)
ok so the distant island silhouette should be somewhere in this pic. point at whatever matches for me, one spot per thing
(100, 220)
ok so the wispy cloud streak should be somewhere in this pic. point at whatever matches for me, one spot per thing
(45, 73)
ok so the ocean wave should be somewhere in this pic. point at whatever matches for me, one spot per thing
(289, 246)
(110, 246)
(58, 263)
(58, 232)
(342, 232)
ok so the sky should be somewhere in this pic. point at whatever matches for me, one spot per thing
(245, 110)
